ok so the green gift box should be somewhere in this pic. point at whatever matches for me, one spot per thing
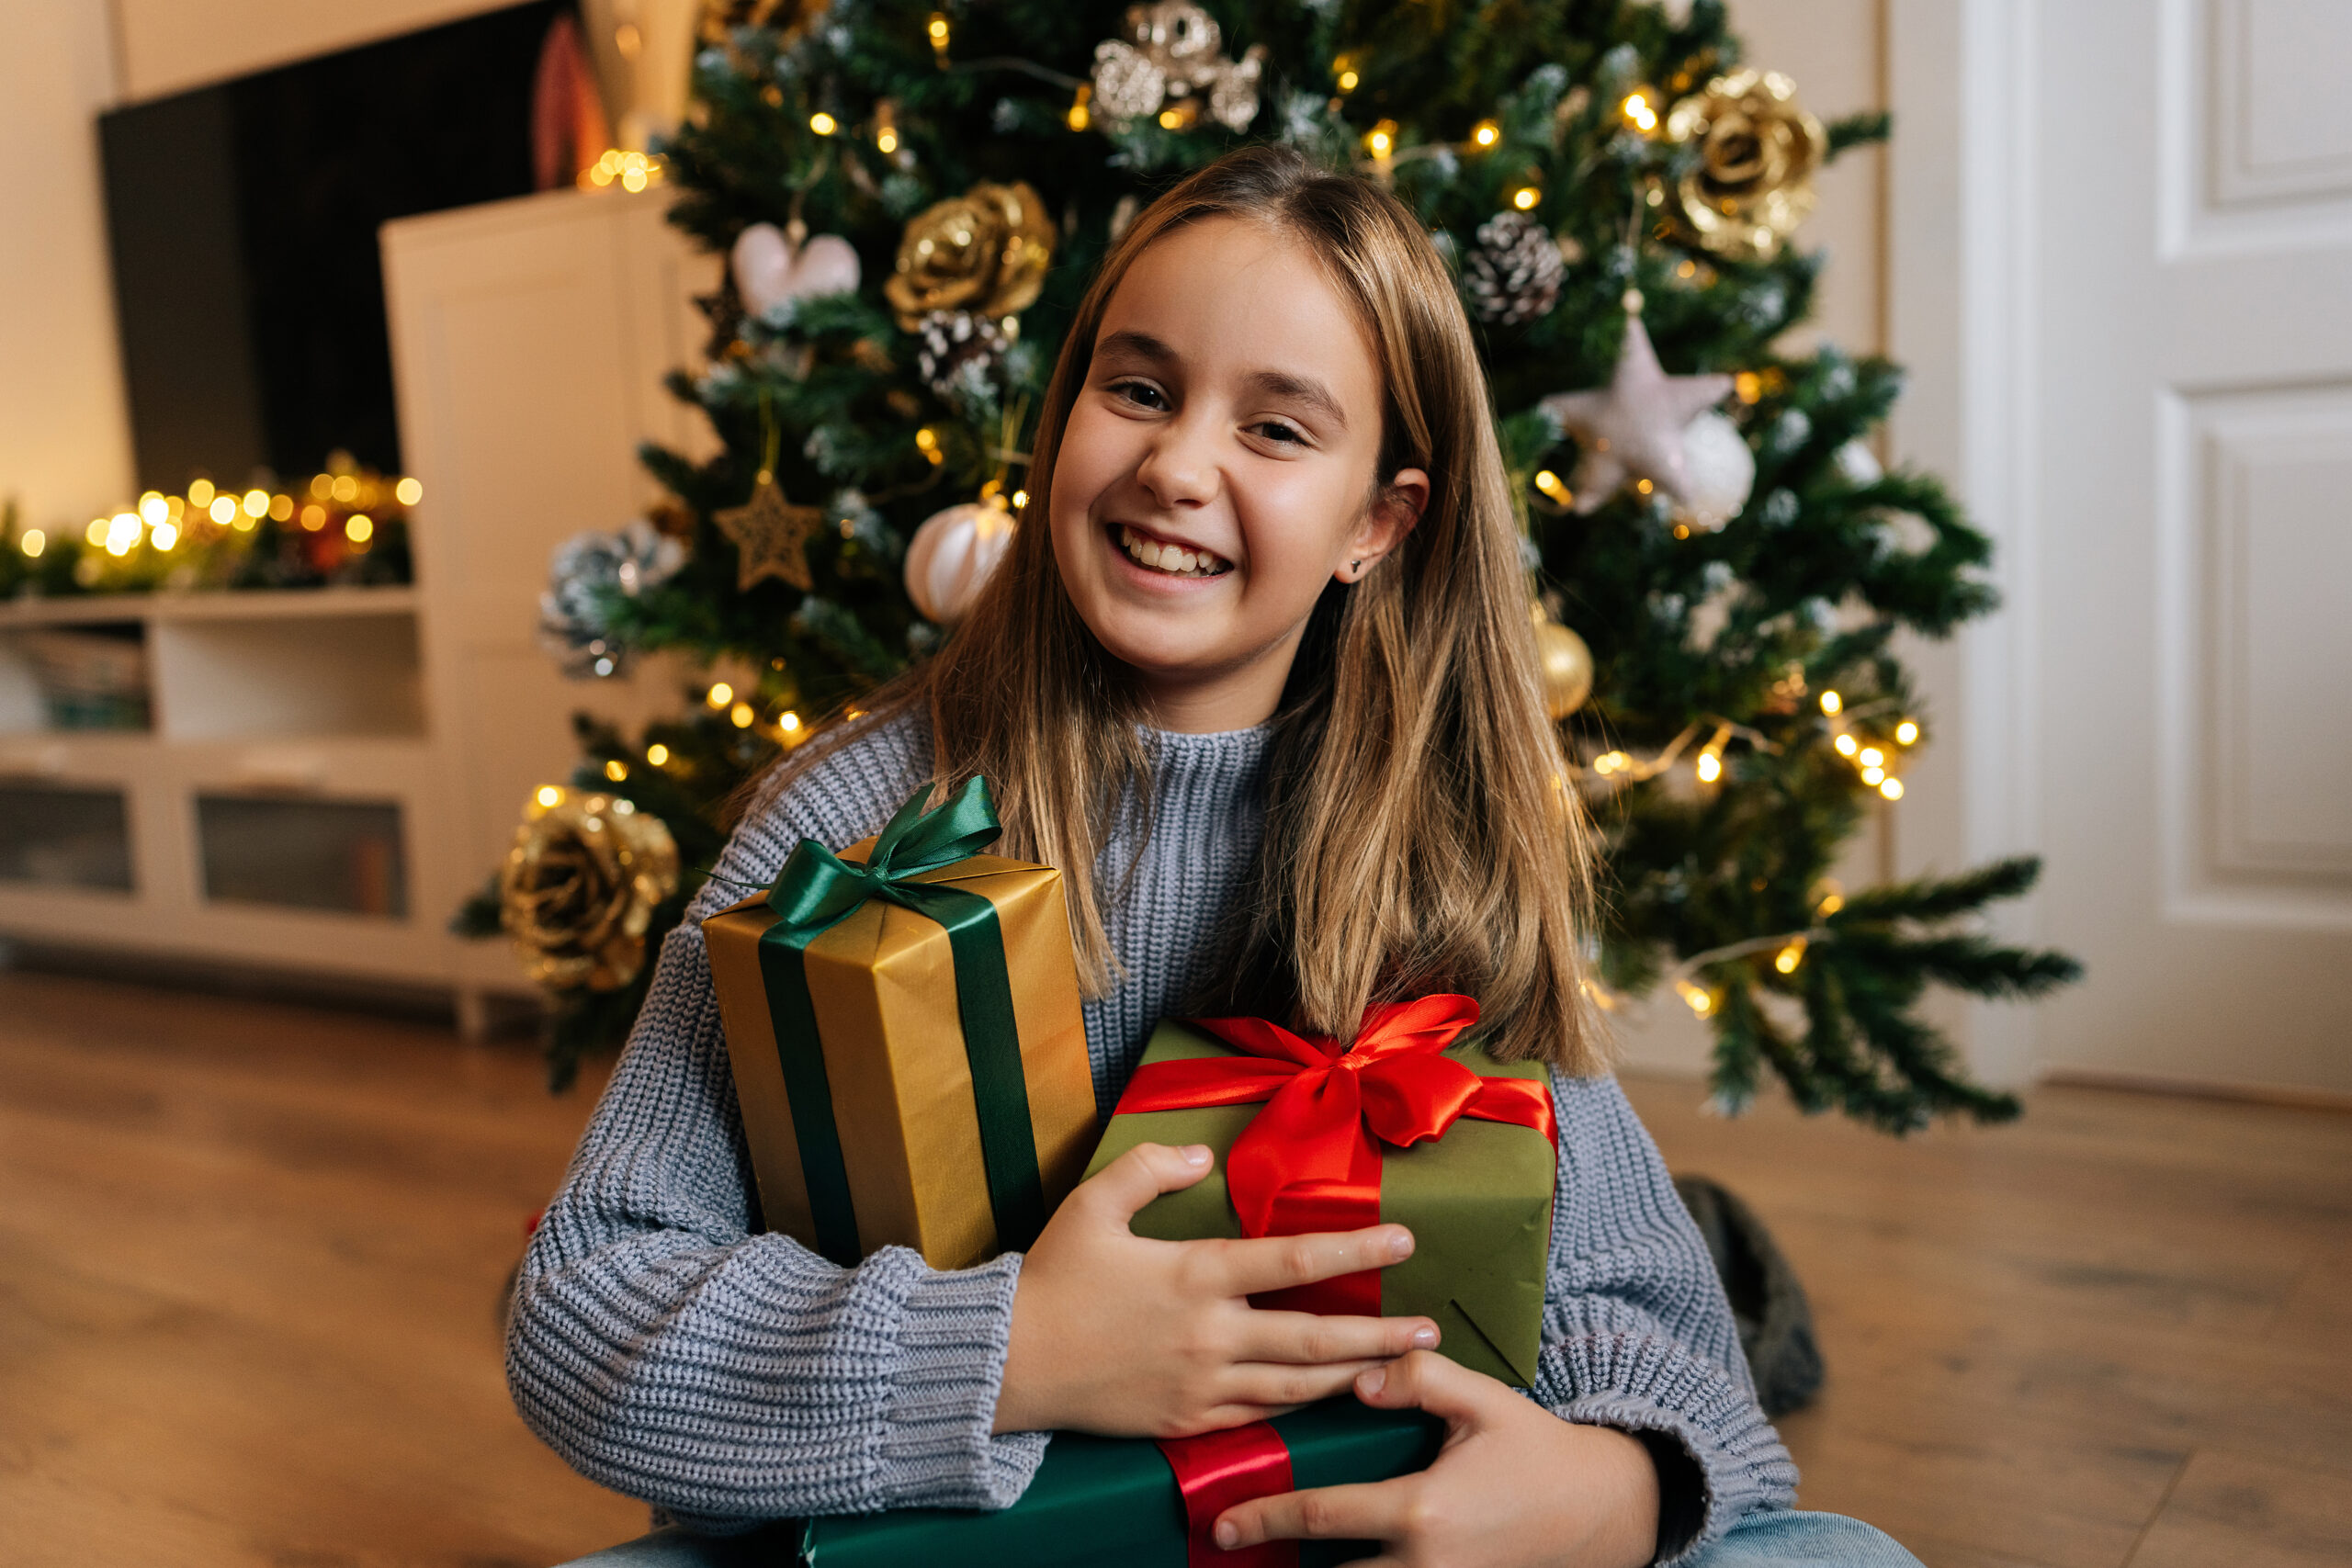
(1097, 1500)
(1476, 1194)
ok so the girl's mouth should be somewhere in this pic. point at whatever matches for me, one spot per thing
(1174, 560)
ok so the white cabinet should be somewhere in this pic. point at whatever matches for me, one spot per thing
(321, 777)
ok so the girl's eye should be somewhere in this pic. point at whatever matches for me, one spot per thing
(1141, 393)
(1276, 430)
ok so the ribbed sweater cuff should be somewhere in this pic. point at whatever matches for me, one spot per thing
(1640, 1383)
(936, 1448)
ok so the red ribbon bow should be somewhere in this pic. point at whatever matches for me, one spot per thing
(1310, 1161)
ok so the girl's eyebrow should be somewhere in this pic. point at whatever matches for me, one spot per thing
(1143, 345)
(1283, 385)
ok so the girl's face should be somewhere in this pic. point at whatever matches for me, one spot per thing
(1219, 469)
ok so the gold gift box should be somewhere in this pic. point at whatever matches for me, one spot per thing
(883, 984)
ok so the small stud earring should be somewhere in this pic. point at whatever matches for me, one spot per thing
(1355, 566)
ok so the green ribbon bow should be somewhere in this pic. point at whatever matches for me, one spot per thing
(816, 890)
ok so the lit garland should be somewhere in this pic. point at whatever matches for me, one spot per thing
(213, 538)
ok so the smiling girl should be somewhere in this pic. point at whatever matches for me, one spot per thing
(1258, 660)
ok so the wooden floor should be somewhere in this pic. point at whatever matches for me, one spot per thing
(250, 1256)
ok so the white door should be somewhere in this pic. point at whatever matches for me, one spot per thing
(2171, 697)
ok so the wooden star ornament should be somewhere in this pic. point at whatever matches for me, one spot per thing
(1632, 429)
(771, 535)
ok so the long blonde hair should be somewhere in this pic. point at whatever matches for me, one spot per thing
(1419, 833)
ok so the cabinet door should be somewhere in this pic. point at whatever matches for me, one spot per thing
(529, 341)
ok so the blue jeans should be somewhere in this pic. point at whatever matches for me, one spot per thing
(1789, 1539)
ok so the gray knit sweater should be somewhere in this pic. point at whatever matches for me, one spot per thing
(667, 1353)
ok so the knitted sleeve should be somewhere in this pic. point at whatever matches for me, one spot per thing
(1638, 1333)
(665, 1352)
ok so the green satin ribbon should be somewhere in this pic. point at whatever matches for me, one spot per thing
(816, 890)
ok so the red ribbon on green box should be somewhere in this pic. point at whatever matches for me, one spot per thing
(1310, 1161)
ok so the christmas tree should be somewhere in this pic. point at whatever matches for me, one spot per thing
(911, 200)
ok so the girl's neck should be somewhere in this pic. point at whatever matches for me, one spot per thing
(1239, 698)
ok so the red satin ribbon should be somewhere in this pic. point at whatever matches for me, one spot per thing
(1217, 1470)
(1310, 1161)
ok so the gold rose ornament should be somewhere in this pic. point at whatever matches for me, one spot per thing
(581, 886)
(985, 252)
(1751, 183)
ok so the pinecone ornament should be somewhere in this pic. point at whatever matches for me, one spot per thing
(1513, 273)
(960, 351)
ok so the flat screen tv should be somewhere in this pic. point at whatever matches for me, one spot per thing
(243, 223)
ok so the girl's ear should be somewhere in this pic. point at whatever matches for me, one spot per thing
(1392, 514)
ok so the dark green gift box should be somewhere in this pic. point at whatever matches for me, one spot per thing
(1113, 1500)
(1479, 1201)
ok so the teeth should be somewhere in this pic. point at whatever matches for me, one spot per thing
(1174, 559)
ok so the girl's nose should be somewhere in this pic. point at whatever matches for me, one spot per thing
(1178, 470)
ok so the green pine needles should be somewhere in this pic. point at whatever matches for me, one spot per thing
(1747, 713)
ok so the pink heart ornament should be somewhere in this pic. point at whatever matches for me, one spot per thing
(769, 271)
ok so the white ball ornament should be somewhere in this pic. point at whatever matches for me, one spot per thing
(771, 268)
(952, 555)
(1718, 470)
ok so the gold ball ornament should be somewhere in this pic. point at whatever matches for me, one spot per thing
(1566, 663)
(580, 887)
(986, 252)
(1758, 149)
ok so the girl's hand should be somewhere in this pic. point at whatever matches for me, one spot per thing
(1514, 1486)
(1119, 1335)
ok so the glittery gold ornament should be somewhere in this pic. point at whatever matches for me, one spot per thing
(1566, 663)
(771, 535)
(579, 888)
(1173, 54)
(986, 252)
(1758, 149)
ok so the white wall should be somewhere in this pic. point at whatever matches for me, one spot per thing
(64, 440)
(169, 46)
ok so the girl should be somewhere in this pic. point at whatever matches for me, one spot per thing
(1259, 660)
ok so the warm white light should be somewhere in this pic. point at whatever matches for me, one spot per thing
(32, 542)
(1831, 703)
(1700, 1000)
(549, 795)
(657, 753)
(1711, 767)
(165, 536)
(408, 492)
(199, 493)
(97, 532)
(1892, 789)
(616, 769)
(789, 722)
(1348, 80)
(1638, 111)
(343, 487)
(1525, 197)
(1485, 133)
(741, 716)
(1905, 733)
(1846, 745)
(1789, 957)
(1872, 757)
(153, 509)
(1872, 775)
(721, 694)
(822, 123)
(256, 504)
(358, 528)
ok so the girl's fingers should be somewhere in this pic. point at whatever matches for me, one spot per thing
(1303, 1338)
(1141, 1174)
(1426, 1380)
(1374, 1511)
(1289, 1386)
(1279, 1262)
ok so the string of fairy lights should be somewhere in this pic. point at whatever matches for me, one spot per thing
(353, 502)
